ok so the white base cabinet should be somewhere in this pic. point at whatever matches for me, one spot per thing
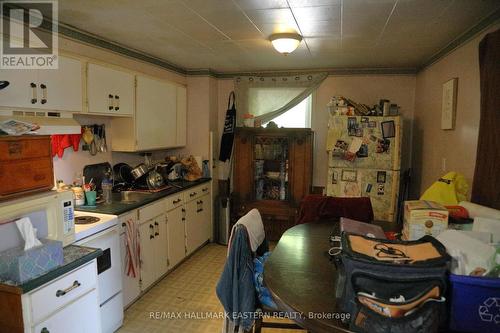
(170, 229)
(78, 317)
(69, 303)
(176, 236)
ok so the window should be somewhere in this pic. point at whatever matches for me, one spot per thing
(297, 117)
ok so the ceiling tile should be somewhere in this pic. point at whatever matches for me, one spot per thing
(321, 13)
(320, 28)
(313, 3)
(260, 4)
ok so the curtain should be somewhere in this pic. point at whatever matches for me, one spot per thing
(267, 97)
(486, 185)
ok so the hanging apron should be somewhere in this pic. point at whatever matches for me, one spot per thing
(226, 144)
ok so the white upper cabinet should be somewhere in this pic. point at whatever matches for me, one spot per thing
(49, 89)
(181, 115)
(62, 88)
(156, 114)
(159, 121)
(109, 91)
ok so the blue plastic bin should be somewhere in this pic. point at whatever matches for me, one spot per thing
(475, 304)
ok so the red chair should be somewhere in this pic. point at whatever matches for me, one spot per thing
(314, 208)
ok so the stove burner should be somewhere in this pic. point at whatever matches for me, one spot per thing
(86, 219)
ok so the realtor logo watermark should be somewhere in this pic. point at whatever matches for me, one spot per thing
(29, 34)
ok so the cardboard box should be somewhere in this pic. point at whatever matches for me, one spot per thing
(20, 266)
(422, 218)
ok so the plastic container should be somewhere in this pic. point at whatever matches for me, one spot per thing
(475, 304)
(107, 188)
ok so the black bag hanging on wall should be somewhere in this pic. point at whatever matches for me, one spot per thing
(226, 144)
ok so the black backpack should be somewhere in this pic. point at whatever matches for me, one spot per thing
(393, 286)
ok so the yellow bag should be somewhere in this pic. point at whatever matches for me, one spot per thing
(448, 190)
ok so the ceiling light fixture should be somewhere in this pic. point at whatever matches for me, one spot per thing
(285, 42)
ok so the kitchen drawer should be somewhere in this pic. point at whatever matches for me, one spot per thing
(55, 295)
(175, 201)
(196, 192)
(81, 316)
(151, 211)
(19, 148)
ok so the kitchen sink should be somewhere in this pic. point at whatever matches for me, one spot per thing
(130, 197)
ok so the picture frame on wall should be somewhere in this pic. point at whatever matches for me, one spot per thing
(449, 104)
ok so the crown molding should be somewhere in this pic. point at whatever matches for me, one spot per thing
(462, 39)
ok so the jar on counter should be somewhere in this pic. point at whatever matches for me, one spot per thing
(78, 195)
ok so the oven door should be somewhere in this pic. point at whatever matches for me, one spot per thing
(109, 266)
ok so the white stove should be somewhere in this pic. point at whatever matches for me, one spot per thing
(102, 231)
(104, 222)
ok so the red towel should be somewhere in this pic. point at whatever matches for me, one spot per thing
(314, 208)
(63, 141)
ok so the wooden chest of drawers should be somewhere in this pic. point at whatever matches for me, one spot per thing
(25, 165)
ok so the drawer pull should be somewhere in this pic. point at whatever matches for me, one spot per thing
(15, 148)
(204, 189)
(44, 330)
(75, 285)
(176, 201)
(199, 210)
(124, 224)
(192, 194)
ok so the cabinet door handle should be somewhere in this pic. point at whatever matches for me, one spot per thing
(34, 94)
(192, 194)
(110, 102)
(44, 93)
(44, 330)
(151, 231)
(204, 189)
(124, 224)
(199, 210)
(117, 99)
(176, 201)
(157, 229)
(63, 292)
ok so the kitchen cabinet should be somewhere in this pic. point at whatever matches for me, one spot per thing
(55, 306)
(78, 317)
(110, 91)
(198, 217)
(176, 235)
(154, 250)
(156, 114)
(159, 121)
(181, 116)
(131, 284)
(48, 89)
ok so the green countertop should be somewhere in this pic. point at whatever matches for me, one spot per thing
(117, 208)
(74, 257)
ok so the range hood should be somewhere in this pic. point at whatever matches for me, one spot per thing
(50, 122)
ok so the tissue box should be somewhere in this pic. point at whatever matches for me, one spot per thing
(422, 218)
(21, 266)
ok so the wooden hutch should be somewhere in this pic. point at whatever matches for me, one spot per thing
(272, 172)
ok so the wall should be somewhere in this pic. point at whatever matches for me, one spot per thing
(437, 151)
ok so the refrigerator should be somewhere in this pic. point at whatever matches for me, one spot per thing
(364, 160)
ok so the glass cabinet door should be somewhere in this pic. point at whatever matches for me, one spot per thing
(271, 168)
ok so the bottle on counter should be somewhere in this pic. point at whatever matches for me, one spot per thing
(107, 188)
